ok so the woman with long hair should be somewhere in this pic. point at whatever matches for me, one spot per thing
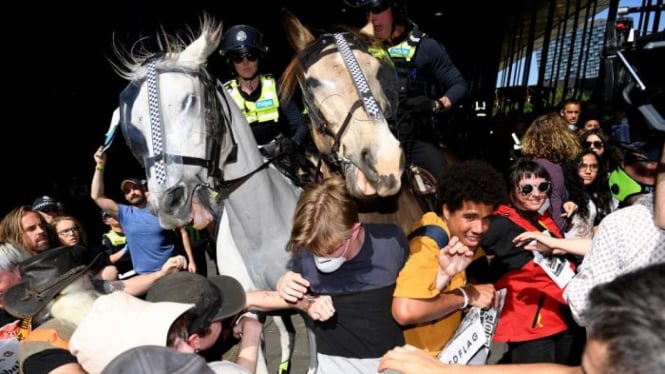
(549, 142)
(587, 186)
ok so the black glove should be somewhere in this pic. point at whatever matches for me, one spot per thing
(285, 145)
(420, 104)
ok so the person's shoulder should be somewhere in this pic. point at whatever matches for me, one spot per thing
(642, 207)
(500, 223)
(378, 229)
(429, 218)
(227, 367)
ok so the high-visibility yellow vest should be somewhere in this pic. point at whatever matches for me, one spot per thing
(264, 109)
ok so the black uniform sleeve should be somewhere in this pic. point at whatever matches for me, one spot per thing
(449, 77)
(296, 120)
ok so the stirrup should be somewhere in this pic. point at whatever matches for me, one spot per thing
(422, 181)
(424, 187)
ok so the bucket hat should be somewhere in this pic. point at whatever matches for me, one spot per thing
(44, 275)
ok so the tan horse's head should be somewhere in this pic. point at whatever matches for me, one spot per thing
(348, 93)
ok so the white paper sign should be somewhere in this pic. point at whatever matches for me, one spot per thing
(471, 342)
(557, 268)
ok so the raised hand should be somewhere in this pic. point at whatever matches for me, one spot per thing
(453, 258)
(292, 286)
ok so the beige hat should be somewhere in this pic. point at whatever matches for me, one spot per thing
(118, 322)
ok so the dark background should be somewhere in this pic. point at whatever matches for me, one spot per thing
(61, 90)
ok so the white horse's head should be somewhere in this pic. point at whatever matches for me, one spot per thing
(349, 93)
(176, 125)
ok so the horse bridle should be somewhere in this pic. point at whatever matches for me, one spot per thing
(366, 100)
(160, 157)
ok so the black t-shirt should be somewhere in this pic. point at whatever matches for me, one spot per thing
(45, 361)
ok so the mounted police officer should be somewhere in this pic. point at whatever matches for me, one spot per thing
(429, 82)
(277, 126)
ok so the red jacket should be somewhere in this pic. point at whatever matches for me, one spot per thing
(534, 304)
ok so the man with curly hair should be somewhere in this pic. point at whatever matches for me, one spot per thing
(432, 287)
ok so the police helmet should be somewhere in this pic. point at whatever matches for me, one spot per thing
(243, 38)
(400, 10)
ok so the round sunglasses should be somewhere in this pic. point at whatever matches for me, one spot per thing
(526, 189)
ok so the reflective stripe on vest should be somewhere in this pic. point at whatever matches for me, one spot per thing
(407, 48)
(115, 238)
(264, 109)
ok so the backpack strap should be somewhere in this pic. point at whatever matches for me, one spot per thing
(433, 231)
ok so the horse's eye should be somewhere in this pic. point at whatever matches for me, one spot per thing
(189, 103)
(312, 83)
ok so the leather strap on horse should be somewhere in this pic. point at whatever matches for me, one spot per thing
(231, 185)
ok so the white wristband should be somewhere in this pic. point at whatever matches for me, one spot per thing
(466, 297)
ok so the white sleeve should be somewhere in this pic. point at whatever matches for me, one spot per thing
(600, 265)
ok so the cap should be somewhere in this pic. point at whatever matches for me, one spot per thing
(152, 359)
(117, 322)
(46, 203)
(215, 298)
(646, 151)
(135, 181)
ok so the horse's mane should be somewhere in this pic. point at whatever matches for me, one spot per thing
(289, 78)
(130, 61)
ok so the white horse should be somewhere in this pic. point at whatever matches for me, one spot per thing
(201, 158)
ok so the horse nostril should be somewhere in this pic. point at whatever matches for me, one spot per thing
(369, 160)
(174, 198)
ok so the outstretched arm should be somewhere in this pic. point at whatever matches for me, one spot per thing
(319, 308)
(97, 185)
(408, 359)
(550, 245)
(140, 284)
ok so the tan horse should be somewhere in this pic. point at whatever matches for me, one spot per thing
(349, 93)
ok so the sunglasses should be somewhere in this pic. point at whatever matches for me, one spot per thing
(594, 144)
(526, 189)
(238, 58)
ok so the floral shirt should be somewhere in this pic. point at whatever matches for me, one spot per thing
(626, 240)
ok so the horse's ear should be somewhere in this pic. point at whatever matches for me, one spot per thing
(368, 29)
(299, 36)
(196, 54)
